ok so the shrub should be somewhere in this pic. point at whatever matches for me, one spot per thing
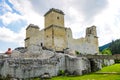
(77, 52)
(61, 73)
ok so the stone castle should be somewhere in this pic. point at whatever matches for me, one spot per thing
(52, 50)
(57, 37)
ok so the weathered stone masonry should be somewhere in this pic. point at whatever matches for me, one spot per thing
(31, 67)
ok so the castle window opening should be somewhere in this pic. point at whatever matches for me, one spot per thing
(90, 31)
(57, 17)
(42, 44)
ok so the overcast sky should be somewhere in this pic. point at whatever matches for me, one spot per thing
(16, 15)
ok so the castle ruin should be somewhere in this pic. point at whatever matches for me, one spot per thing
(51, 50)
(57, 37)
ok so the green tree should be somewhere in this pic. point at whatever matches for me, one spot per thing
(115, 46)
(106, 51)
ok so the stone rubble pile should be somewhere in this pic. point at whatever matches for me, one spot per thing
(32, 51)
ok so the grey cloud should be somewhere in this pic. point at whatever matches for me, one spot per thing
(41, 6)
(90, 8)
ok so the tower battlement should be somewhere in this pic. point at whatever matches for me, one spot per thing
(55, 10)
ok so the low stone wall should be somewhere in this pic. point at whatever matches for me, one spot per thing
(35, 61)
(77, 65)
(26, 68)
(30, 67)
(108, 62)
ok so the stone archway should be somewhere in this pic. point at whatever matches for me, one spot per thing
(94, 65)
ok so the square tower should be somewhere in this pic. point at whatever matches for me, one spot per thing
(31, 31)
(55, 32)
(54, 17)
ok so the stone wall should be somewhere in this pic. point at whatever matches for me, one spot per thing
(83, 46)
(59, 38)
(49, 38)
(35, 61)
(108, 62)
(77, 66)
(29, 67)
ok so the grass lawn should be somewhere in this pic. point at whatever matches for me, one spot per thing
(94, 76)
(90, 77)
(112, 68)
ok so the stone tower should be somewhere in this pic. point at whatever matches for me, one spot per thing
(91, 36)
(55, 32)
(54, 17)
(31, 31)
(91, 31)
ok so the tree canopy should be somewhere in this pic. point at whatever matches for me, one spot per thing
(106, 51)
(115, 46)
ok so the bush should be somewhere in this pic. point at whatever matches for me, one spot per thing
(67, 73)
(107, 51)
(77, 52)
(61, 73)
(8, 77)
(117, 61)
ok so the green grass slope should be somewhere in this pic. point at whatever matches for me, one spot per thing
(96, 76)
(112, 68)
